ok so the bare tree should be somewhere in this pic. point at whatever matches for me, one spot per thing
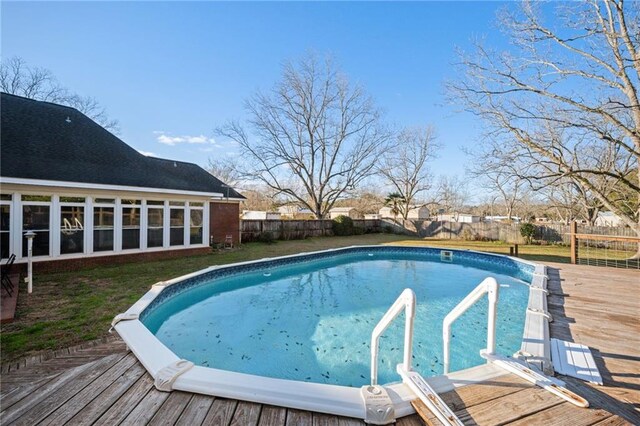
(18, 78)
(565, 99)
(405, 165)
(492, 166)
(225, 169)
(452, 195)
(314, 138)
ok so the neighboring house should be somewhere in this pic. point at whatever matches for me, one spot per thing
(459, 218)
(289, 210)
(514, 219)
(415, 213)
(260, 215)
(351, 212)
(372, 216)
(608, 219)
(87, 194)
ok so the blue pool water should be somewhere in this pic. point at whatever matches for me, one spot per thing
(312, 321)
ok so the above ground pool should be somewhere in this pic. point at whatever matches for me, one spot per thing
(296, 331)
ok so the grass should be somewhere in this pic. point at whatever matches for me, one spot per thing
(69, 308)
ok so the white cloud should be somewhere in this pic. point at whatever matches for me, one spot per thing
(166, 139)
(147, 153)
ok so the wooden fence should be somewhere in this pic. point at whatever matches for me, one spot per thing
(496, 231)
(298, 229)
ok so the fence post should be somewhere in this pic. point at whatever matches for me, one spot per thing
(574, 242)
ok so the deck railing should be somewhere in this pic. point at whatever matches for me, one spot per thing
(604, 250)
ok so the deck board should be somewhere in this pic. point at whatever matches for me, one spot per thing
(102, 384)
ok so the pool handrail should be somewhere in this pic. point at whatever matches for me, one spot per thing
(405, 302)
(489, 286)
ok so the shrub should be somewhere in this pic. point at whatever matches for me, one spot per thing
(343, 226)
(266, 237)
(527, 230)
(388, 229)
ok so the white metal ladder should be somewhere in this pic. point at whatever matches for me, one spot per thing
(490, 287)
(407, 303)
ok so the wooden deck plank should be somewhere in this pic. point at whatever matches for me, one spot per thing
(321, 419)
(36, 406)
(96, 408)
(127, 402)
(299, 418)
(614, 421)
(89, 393)
(564, 414)
(468, 396)
(509, 408)
(246, 414)
(146, 408)
(413, 420)
(21, 391)
(196, 410)
(171, 410)
(221, 412)
(272, 416)
(348, 421)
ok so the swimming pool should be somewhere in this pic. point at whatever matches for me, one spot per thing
(295, 331)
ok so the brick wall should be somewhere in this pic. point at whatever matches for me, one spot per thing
(59, 265)
(224, 220)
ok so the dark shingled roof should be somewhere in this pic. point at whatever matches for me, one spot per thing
(42, 140)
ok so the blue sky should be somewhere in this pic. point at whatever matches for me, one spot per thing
(170, 70)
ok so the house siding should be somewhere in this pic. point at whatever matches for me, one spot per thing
(224, 219)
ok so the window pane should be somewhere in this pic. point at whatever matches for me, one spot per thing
(176, 203)
(6, 197)
(131, 202)
(5, 226)
(155, 219)
(177, 227)
(102, 228)
(130, 228)
(155, 203)
(71, 229)
(177, 217)
(36, 218)
(5, 220)
(36, 198)
(40, 244)
(196, 217)
(196, 204)
(195, 235)
(72, 199)
(104, 200)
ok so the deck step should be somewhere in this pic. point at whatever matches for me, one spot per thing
(575, 360)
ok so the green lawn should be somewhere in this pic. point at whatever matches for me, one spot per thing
(73, 307)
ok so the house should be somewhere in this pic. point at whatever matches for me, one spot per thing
(458, 217)
(88, 195)
(260, 215)
(351, 212)
(415, 213)
(371, 216)
(289, 210)
(515, 219)
(608, 219)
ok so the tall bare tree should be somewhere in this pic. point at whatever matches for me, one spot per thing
(452, 194)
(405, 166)
(314, 137)
(18, 78)
(492, 167)
(565, 98)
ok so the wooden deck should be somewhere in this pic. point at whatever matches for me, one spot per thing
(104, 384)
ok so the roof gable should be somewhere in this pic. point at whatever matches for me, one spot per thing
(46, 141)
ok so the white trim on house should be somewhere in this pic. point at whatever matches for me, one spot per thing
(55, 225)
(96, 186)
